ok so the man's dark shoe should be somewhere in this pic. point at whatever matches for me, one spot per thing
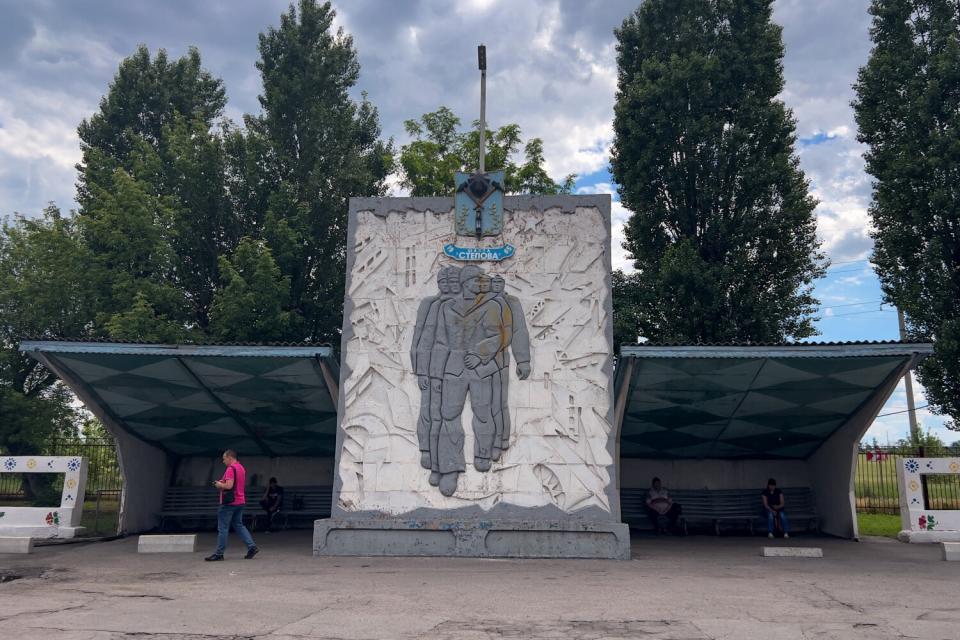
(213, 557)
(252, 551)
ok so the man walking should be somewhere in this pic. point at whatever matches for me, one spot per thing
(232, 499)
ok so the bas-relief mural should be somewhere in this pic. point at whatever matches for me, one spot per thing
(461, 345)
(516, 350)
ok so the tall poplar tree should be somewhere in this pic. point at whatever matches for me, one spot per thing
(319, 148)
(908, 113)
(153, 200)
(722, 233)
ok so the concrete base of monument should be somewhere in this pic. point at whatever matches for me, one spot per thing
(471, 538)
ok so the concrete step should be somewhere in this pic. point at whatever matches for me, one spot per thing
(792, 552)
(16, 544)
(951, 551)
(167, 543)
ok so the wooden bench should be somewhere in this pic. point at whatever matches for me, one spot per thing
(314, 502)
(722, 509)
(189, 505)
(695, 505)
(801, 508)
(198, 506)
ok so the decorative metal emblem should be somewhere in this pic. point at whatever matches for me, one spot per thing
(479, 203)
(478, 199)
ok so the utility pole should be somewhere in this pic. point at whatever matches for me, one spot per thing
(911, 409)
(482, 63)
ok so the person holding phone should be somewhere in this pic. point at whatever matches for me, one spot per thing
(230, 513)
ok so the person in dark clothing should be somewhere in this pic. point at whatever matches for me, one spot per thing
(271, 502)
(659, 503)
(773, 505)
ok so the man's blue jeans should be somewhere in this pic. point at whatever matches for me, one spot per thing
(783, 521)
(227, 516)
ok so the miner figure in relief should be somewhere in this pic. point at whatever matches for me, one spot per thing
(421, 349)
(461, 341)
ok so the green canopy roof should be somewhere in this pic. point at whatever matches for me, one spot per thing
(199, 400)
(748, 402)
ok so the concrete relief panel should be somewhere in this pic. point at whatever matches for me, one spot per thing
(477, 384)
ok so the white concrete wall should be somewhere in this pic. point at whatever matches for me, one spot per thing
(833, 465)
(146, 472)
(62, 521)
(561, 453)
(636, 473)
(289, 471)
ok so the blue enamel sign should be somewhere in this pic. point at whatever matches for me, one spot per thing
(472, 254)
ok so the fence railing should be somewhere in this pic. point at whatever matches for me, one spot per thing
(103, 470)
(876, 487)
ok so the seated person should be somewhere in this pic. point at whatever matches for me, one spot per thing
(659, 503)
(272, 499)
(773, 505)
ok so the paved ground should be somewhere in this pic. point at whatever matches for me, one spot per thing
(679, 588)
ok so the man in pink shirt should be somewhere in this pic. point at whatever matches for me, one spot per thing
(232, 499)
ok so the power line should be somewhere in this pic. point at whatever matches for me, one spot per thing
(894, 413)
(833, 262)
(860, 313)
(852, 304)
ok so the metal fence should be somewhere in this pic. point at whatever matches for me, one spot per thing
(103, 471)
(876, 487)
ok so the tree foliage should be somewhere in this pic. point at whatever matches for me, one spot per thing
(722, 233)
(908, 112)
(251, 304)
(190, 227)
(319, 148)
(438, 149)
(44, 292)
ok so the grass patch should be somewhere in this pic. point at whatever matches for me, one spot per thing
(104, 524)
(878, 524)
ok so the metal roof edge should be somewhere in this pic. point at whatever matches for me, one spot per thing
(799, 350)
(273, 351)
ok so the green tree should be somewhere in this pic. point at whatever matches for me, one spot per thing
(722, 233)
(438, 149)
(908, 112)
(155, 128)
(145, 97)
(44, 293)
(319, 148)
(250, 306)
(132, 264)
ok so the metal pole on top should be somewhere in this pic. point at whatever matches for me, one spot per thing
(482, 63)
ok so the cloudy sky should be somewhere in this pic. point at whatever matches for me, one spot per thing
(551, 70)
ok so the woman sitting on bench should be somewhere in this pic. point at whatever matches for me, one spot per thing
(659, 503)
